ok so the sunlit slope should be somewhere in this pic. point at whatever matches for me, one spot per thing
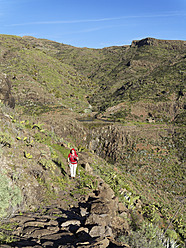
(149, 69)
(39, 79)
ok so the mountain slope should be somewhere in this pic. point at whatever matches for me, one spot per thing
(142, 58)
(39, 79)
(134, 141)
(150, 71)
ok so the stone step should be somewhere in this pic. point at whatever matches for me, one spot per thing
(93, 222)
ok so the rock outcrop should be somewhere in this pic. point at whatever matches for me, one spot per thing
(111, 142)
(5, 91)
(94, 222)
(174, 44)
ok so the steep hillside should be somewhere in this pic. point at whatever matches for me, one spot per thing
(146, 176)
(150, 71)
(39, 80)
(123, 109)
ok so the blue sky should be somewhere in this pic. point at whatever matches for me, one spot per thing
(94, 23)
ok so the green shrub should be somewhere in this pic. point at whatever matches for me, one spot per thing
(63, 150)
(87, 180)
(28, 155)
(6, 139)
(42, 138)
(47, 164)
(10, 196)
(38, 126)
(148, 236)
(4, 238)
(81, 149)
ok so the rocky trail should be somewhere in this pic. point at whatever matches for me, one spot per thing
(94, 220)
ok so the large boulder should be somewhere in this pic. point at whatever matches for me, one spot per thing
(103, 219)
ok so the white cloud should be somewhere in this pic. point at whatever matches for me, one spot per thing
(94, 29)
(166, 14)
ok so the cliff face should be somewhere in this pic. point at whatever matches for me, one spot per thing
(114, 142)
(170, 44)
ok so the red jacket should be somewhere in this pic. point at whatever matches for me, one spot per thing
(73, 158)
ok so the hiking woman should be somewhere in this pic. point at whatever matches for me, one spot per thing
(72, 160)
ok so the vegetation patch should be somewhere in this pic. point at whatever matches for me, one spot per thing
(10, 196)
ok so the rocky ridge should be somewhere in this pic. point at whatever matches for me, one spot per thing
(174, 44)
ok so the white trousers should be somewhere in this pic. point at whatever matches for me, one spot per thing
(73, 168)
